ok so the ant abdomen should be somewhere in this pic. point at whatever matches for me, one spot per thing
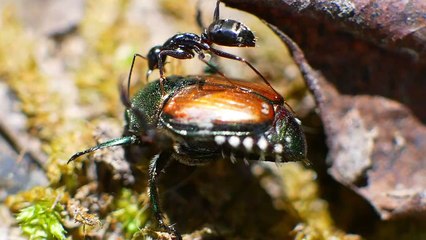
(228, 32)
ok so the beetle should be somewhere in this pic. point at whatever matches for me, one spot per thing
(200, 119)
(225, 32)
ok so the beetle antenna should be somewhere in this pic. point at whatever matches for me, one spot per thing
(124, 96)
(131, 70)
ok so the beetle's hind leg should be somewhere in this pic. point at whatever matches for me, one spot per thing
(157, 164)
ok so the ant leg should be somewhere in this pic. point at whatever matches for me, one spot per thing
(216, 11)
(131, 70)
(177, 53)
(161, 69)
(310, 75)
(234, 57)
(199, 16)
(157, 164)
(201, 56)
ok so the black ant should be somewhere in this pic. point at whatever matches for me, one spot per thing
(225, 32)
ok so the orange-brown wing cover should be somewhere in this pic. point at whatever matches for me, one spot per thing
(260, 88)
(209, 104)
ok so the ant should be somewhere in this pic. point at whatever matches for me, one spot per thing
(225, 32)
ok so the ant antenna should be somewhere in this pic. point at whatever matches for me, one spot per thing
(130, 73)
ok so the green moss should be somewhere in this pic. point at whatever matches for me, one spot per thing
(39, 212)
(42, 221)
(131, 212)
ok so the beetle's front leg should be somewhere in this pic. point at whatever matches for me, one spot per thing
(157, 164)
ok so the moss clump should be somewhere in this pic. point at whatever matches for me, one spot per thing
(129, 212)
(42, 221)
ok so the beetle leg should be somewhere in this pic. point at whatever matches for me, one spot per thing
(234, 57)
(124, 141)
(157, 164)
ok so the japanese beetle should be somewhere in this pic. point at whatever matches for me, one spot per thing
(200, 119)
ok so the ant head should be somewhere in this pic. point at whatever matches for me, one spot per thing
(152, 57)
(228, 32)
